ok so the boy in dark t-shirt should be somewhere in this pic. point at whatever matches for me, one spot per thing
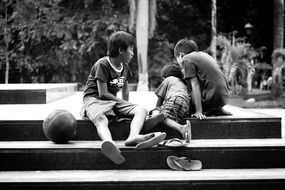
(210, 90)
(107, 76)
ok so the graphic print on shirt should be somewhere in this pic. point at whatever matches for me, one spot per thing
(118, 82)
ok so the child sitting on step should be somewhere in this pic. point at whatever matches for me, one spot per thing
(173, 100)
(210, 89)
(100, 103)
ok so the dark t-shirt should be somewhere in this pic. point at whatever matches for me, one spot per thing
(213, 83)
(103, 71)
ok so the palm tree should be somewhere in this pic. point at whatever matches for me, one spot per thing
(142, 17)
(278, 24)
(278, 40)
(214, 29)
(237, 64)
(6, 39)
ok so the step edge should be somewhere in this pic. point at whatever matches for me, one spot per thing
(97, 176)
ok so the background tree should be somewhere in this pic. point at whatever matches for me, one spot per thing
(278, 24)
(214, 29)
(59, 40)
(142, 16)
(278, 60)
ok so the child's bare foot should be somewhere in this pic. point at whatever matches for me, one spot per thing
(134, 140)
(186, 131)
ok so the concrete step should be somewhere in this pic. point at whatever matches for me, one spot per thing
(210, 128)
(220, 179)
(24, 122)
(86, 155)
(35, 93)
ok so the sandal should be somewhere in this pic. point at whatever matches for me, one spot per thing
(174, 142)
(158, 137)
(188, 134)
(183, 163)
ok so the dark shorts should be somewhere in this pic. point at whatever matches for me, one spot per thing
(92, 107)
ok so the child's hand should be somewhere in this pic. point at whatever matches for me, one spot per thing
(198, 115)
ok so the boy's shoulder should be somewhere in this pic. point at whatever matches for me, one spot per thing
(171, 79)
(197, 56)
(102, 60)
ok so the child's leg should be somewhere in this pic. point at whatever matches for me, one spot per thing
(185, 130)
(136, 126)
(108, 147)
(101, 124)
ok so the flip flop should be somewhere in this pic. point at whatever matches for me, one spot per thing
(111, 151)
(188, 134)
(174, 142)
(183, 163)
(158, 137)
(153, 120)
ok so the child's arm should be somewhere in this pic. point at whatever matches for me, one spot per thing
(196, 90)
(159, 101)
(125, 91)
(103, 92)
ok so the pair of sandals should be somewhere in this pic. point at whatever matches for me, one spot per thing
(111, 151)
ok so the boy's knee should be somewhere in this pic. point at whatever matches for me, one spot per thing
(140, 110)
(100, 118)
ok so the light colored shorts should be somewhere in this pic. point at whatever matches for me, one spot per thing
(92, 107)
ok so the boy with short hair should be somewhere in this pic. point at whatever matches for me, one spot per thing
(210, 89)
(107, 76)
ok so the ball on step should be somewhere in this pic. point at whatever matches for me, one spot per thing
(60, 126)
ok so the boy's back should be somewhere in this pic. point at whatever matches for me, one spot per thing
(214, 86)
(205, 67)
(172, 86)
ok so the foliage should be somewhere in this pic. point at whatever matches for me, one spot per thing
(278, 60)
(236, 60)
(185, 19)
(278, 56)
(58, 41)
(160, 55)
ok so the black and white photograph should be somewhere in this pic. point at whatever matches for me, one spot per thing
(142, 95)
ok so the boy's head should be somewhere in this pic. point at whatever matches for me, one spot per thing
(185, 46)
(171, 70)
(119, 41)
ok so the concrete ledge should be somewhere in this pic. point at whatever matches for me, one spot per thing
(35, 93)
(87, 155)
(237, 179)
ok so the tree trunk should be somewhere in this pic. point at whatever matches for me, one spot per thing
(6, 47)
(142, 43)
(214, 30)
(278, 38)
(278, 24)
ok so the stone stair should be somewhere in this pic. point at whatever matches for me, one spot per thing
(243, 151)
(35, 93)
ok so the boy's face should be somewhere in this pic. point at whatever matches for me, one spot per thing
(179, 59)
(128, 54)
